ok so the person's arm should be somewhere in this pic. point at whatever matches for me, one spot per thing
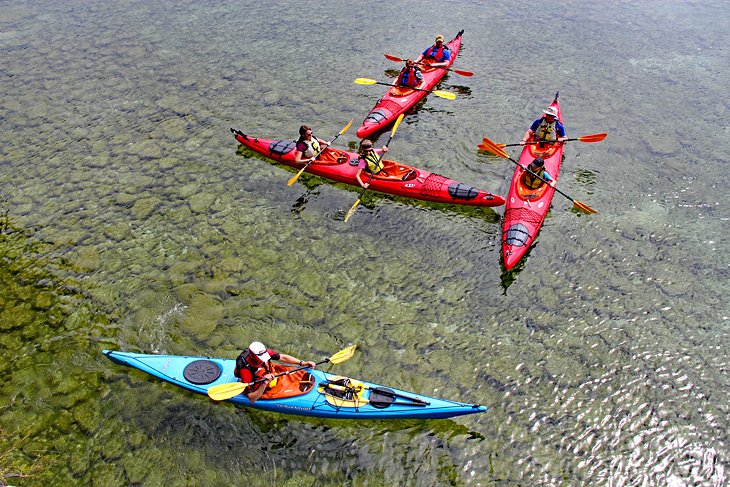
(531, 131)
(546, 175)
(299, 156)
(561, 132)
(357, 176)
(295, 361)
(526, 137)
(256, 394)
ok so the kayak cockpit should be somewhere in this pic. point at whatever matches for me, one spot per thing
(295, 384)
(527, 193)
(394, 171)
(543, 149)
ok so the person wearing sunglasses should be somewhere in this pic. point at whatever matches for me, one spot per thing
(437, 56)
(254, 364)
(369, 161)
(546, 129)
(308, 146)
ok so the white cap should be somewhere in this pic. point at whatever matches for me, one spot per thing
(258, 349)
(551, 110)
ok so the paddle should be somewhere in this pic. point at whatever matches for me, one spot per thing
(490, 146)
(585, 138)
(221, 392)
(292, 180)
(392, 133)
(443, 94)
(457, 71)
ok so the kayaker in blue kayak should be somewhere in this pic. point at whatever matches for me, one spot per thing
(254, 364)
(537, 167)
(368, 161)
(546, 129)
(437, 55)
(410, 76)
(308, 145)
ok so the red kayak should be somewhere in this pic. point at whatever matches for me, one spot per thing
(400, 99)
(526, 208)
(396, 178)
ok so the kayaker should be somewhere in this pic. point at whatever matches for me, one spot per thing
(537, 166)
(368, 161)
(410, 76)
(546, 129)
(254, 363)
(308, 145)
(437, 55)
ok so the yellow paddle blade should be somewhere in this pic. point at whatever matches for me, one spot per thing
(295, 177)
(221, 392)
(365, 81)
(352, 210)
(395, 125)
(347, 127)
(444, 94)
(343, 355)
(583, 207)
(593, 137)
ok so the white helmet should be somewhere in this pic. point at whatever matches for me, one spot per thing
(258, 349)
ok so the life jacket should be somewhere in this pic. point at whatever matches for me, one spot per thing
(373, 161)
(533, 182)
(408, 77)
(436, 53)
(312, 147)
(546, 131)
(243, 361)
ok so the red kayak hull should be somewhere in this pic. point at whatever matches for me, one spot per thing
(396, 178)
(525, 208)
(399, 100)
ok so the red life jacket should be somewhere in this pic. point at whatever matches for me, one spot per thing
(247, 371)
(436, 53)
(408, 77)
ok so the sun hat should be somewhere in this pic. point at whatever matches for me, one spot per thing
(439, 37)
(258, 349)
(366, 144)
(551, 110)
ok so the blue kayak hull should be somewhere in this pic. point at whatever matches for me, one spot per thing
(177, 370)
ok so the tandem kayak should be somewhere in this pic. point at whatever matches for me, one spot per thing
(306, 392)
(400, 99)
(396, 178)
(526, 208)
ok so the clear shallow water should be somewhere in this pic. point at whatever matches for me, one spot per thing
(131, 223)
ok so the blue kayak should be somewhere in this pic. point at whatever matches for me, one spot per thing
(306, 392)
